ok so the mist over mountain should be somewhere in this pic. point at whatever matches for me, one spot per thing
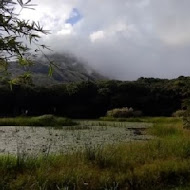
(66, 68)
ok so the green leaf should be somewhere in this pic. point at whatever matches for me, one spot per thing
(24, 62)
(50, 73)
(11, 83)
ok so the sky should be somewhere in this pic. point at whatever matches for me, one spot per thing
(121, 39)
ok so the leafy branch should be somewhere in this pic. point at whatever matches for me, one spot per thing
(13, 30)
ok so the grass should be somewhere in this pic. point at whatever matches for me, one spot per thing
(130, 119)
(114, 123)
(143, 119)
(159, 164)
(44, 120)
(166, 127)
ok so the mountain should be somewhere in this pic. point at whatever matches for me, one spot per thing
(66, 68)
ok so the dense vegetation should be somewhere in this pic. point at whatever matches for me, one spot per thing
(154, 97)
(162, 163)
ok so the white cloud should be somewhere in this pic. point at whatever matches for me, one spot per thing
(66, 30)
(126, 39)
(171, 23)
(98, 35)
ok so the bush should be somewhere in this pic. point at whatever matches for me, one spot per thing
(137, 113)
(46, 119)
(179, 113)
(185, 115)
(186, 120)
(123, 112)
(51, 120)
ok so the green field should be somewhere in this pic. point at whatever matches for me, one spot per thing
(157, 164)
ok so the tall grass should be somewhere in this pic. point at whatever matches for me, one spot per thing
(159, 164)
(44, 120)
(166, 127)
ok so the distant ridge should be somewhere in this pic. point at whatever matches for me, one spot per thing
(68, 69)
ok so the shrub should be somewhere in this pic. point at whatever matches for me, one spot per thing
(51, 120)
(186, 118)
(46, 119)
(179, 113)
(137, 113)
(186, 121)
(123, 112)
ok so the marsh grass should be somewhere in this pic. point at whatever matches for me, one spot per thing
(143, 119)
(160, 164)
(44, 120)
(166, 130)
(106, 124)
(130, 119)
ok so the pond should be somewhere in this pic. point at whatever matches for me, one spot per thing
(45, 140)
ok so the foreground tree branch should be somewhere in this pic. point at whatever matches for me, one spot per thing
(12, 32)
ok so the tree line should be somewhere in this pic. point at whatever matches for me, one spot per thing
(154, 97)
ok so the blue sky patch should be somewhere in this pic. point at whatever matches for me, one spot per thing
(74, 17)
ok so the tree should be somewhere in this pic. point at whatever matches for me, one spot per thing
(13, 30)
